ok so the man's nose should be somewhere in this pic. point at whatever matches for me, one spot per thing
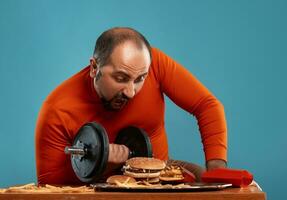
(129, 90)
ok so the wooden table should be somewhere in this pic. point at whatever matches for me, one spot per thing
(250, 193)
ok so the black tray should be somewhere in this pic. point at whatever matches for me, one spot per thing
(190, 187)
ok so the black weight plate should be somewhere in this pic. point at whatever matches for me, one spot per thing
(98, 171)
(95, 139)
(136, 140)
(89, 137)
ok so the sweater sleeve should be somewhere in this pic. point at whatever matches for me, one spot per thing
(53, 165)
(191, 95)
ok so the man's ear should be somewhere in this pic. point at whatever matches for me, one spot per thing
(93, 67)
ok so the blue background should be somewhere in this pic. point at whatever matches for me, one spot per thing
(238, 49)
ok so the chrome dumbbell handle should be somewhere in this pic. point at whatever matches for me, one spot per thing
(78, 149)
(75, 150)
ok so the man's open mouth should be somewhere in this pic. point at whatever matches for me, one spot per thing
(119, 103)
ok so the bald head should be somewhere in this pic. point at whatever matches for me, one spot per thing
(112, 38)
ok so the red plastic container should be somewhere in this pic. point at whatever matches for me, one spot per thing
(237, 177)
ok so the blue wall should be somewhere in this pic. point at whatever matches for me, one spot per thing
(238, 49)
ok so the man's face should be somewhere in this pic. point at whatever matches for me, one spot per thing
(123, 77)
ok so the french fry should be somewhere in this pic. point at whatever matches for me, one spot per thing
(32, 188)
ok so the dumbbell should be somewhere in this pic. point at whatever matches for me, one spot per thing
(90, 149)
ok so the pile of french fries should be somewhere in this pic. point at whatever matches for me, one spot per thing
(32, 188)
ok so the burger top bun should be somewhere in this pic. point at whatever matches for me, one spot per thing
(146, 163)
(120, 179)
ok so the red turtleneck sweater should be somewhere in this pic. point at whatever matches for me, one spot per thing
(75, 102)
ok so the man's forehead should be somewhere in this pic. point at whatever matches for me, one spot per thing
(130, 59)
(130, 71)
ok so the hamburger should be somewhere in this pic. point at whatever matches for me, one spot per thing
(172, 173)
(144, 169)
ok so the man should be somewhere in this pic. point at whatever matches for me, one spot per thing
(123, 86)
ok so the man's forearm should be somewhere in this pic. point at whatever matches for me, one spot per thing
(214, 164)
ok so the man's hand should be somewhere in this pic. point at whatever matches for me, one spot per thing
(214, 164)
(118, 153)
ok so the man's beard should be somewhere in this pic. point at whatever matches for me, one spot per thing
(116, 103)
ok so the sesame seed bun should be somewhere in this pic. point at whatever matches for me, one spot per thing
(146, 163)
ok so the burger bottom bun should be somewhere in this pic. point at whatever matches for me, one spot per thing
(142, 175)
(171, 178)
(149, 180)
(120, 179)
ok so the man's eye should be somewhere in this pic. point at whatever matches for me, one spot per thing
(120, 79)
(140, 79)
